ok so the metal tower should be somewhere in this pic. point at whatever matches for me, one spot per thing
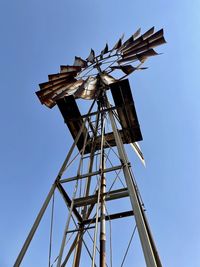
(96, 175)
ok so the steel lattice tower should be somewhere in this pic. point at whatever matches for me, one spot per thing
(102, 173)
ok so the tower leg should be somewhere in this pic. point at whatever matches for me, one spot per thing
(34, 227)
(135, 201)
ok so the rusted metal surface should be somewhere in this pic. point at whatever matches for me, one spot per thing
(78, 61)
(69, 110)
(91, 56)
(71, 79)
(123, 99)
(124, 105)
(88, 89)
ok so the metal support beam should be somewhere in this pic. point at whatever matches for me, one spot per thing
(74, 178)
(34, 228)
(115, 194)
(110, 217)
(135, 201)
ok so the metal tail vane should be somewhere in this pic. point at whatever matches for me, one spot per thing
(81, 78)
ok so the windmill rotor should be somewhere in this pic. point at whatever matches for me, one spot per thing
(80, 79)
(86, 77)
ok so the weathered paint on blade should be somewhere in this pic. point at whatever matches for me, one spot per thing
(68, 68)
(54, 83)
(156, 35)
(127, 69)
(137, 33)
(148, 33)
(91, 56)
(78, 61)
(141, 56)
(57, 76)
(88, 89)
(50, 96)
(144, 45)
(118, 43)
(104, 51)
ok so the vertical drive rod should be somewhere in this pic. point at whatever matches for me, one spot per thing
(103, 203)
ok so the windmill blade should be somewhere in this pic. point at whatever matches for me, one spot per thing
(49, 96)
(137, 33)
(130, 40)
(141, 41)
(107, 79)
(78, 61)
(141, 56)
(54, 84)
(144, 47)
(58, 76)
(91, 56)
(68, 68)
(47, 92)
(118, 43)
(156, 35)
(70, 89)
(138, 152)
(148, 33)
(104, 51)
(88, 89)
(127, 69)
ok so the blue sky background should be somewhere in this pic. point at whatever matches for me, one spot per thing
(36, 38)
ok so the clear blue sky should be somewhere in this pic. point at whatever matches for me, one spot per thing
(36, 38)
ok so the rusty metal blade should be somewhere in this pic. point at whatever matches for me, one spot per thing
(148, 33)
(141, 56)
(144, 39)
(78, 61)
(104, 51)
(48, 97)
(156, 35)
(145, 45)
(130, 40)
(69, 90)
(91, 56)
(57, 76)
(128, 69)
(88, 89)
(47, 92)
(137, 33)
(68, 68)
(118, 43)
(55, 83)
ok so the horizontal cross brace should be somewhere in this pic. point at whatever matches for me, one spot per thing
(96, 112)
(78, 229)
(70, 179)
(110, 217)
(115, 194)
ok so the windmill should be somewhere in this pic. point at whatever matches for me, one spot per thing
(102, 172)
